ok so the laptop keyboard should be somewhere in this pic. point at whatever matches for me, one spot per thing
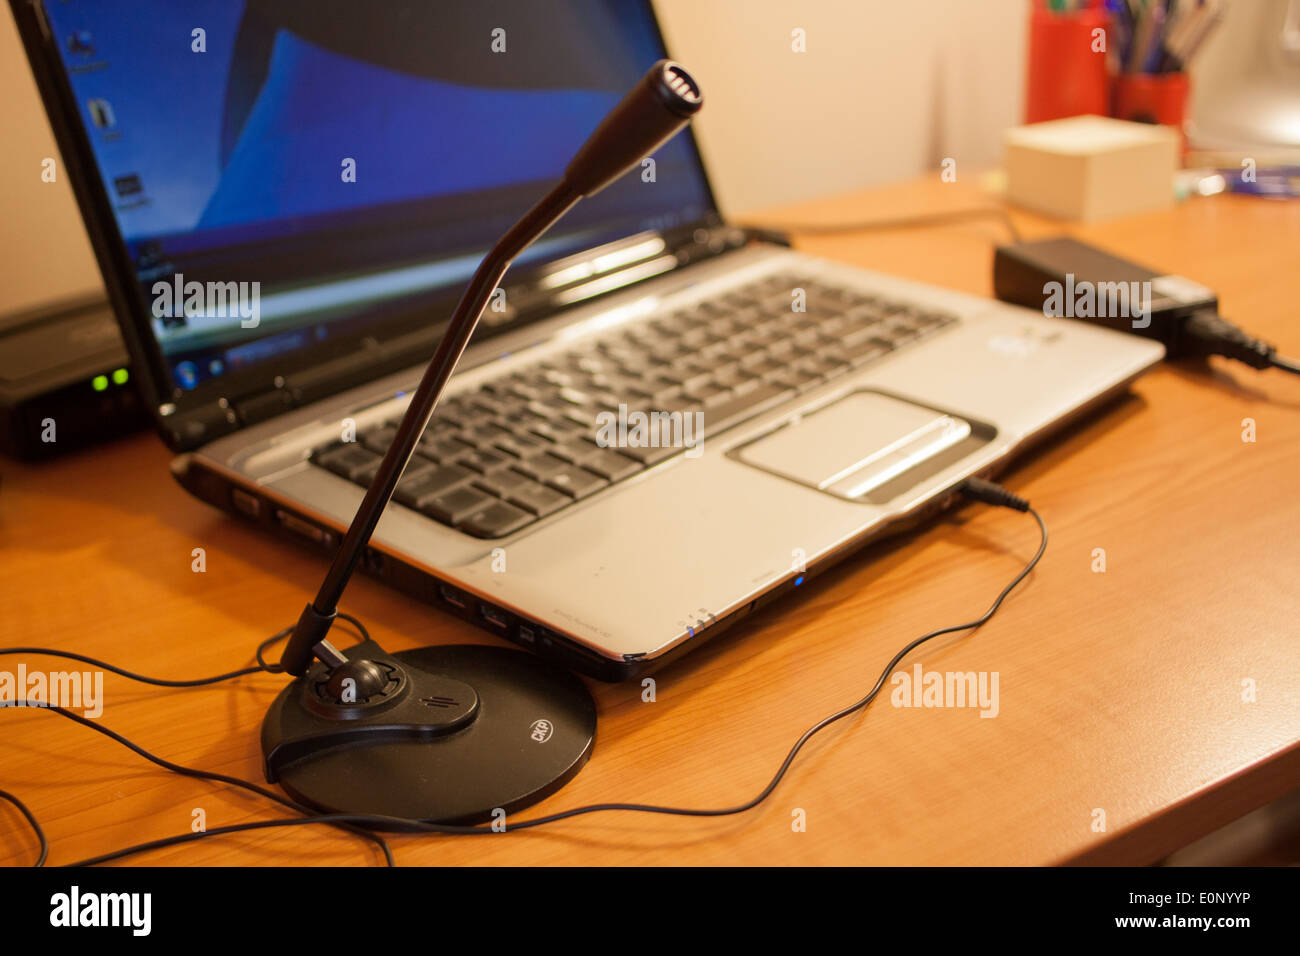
(525, 445)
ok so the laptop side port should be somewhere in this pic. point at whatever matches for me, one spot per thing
(494, 617)
(452, 596)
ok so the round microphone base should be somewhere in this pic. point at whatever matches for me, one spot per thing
(463, 734)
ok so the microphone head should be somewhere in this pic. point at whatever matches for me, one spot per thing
(677, 88)
(661, 103)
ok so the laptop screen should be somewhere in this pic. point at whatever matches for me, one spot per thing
(287, 172)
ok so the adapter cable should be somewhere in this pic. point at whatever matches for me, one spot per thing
(1207, 333)
(975, 489)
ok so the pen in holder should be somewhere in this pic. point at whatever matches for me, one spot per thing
(1067, 72)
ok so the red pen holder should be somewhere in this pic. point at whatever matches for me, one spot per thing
(1152, 98)
(1066, 75)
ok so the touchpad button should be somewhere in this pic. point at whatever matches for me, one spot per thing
(860, 444)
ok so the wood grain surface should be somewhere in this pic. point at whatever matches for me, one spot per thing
(1119, 691)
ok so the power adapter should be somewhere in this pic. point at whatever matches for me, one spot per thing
(1065, 278)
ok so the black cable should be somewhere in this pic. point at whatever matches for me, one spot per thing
(262, 648)
(44, 844)
(262, 665)
(974, 488)
(103, 665)
(160, 761)
(905, 222)
(1206, 333)
(1286, 365)
(195, 772)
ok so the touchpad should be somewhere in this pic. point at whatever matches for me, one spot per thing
(860, 446)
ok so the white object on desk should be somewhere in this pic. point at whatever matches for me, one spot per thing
(1091, 167)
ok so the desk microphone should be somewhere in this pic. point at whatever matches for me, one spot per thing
(451, 733)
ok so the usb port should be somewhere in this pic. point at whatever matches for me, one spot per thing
(494, 617)
(452, 596)
(526, 633)
(246, 503)
(300, 526)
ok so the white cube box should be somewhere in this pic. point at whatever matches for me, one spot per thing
(1088, 168)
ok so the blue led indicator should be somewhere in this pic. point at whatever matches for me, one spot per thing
(798, 581)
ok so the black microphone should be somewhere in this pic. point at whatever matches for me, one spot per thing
(651, 114)
(451, 714)
(655, 110)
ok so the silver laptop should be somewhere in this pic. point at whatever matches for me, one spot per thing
(664, 420)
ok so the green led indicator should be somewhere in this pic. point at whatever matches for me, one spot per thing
(119, 377)
(99, 383)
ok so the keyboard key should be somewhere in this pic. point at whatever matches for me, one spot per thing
(574, 450)
(739, 405)
(556, 432)
(417, 490)
(521, 446)
(457, 504)
(542, 467)
(858, 335)
(586, 418)
(703, 391)
(351, 460)
(494, 521)
(453, 413)
(501, 482)
(764, 366)
(484, 461)
(609, 464)
(442, 449)
(794, 378)
(486, 435)
(862, 353)
(538, 499)
(822, 366)
(575, 482)
(647, 455)
(378, 439)
(498, 406)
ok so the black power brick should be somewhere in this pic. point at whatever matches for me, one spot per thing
(1066, 278)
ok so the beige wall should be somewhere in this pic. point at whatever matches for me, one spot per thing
(884, 91)
(43, 248)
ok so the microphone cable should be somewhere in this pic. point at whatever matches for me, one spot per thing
(975, 489)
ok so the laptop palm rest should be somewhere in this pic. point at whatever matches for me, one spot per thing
(861, 446)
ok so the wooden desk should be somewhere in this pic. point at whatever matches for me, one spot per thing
(1120, 691)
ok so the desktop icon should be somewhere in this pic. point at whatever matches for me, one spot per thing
(101, 113)
(187, 376)
(81, 43)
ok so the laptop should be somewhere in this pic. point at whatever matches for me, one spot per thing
(663, 421)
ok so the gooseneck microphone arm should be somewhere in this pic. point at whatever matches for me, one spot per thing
(309, 635)
(657, 108)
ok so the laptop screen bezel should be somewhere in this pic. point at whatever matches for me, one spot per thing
(216, 398)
